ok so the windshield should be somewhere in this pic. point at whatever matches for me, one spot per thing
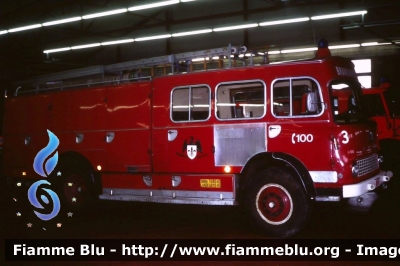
(347, 105)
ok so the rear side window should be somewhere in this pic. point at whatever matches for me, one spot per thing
(240, 100)
(296, 97)
(191, 103)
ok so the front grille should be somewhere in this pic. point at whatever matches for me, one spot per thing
(367, 165)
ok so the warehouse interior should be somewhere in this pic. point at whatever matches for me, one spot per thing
(39, 39)
(42, 37)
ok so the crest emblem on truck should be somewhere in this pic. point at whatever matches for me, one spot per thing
(191, 151)
(191, 148)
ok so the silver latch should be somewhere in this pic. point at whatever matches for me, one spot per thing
(27, 140)
(79, 138)
(148, 180)
(176, 180)
(172, 134)
(110, 137)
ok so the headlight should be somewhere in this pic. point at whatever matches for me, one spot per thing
(354, 170)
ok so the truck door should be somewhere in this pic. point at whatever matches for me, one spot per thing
(183, 135)
(300, 125)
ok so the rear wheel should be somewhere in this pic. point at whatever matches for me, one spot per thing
(277, 203)
(73, 186)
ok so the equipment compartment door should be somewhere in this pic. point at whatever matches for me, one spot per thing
(127, 133)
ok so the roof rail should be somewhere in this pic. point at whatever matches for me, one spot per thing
(172, 60)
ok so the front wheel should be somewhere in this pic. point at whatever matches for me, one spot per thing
(277, 203)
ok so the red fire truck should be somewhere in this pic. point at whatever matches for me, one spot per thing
(384, 109)
(273, 137)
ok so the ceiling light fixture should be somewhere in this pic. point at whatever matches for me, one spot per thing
(339, 15)
(285, 21)
(245, 26)
(153, 37)
(191, 33)
(117, 42)
(374, 43)
(344, 46)
(198, 59)
(56, 50)
(61, 21)
(85, 46)
(107, 13)
(25, 28)
(153, 5)
(3, 32)
(299, 50)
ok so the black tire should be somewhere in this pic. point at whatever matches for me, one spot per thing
(277, 203)
(74, 187)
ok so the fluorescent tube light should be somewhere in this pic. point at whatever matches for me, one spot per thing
(3, 32)
(198, 59)
(153, 37)
(50, 23)
(374, 43)
(191, 33)
(340, 15)
(56, 50)
(153, 5)
(85, 46)
(117, 42)
(107, 13)
(285, 21)
(274, 52)
(299, 50)
(344, 46)
(245, 26)
(25, 28)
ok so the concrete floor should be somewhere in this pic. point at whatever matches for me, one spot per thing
(377, 218)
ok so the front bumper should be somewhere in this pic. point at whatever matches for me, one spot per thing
(365, 186)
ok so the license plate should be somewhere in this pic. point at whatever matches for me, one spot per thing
(210, 183)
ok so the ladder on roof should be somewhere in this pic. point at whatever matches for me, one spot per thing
(173, 60)
(103, 74)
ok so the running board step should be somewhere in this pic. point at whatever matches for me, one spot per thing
(192, 201)
(169, 196)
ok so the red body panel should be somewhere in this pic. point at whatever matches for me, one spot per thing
(388, 127)
(139, 117)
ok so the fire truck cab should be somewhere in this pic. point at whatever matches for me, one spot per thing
(272, 137)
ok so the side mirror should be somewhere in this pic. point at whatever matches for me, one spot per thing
(311, 102)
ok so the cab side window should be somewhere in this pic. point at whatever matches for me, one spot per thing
(191, 103)
(240, 100)
(296, 97)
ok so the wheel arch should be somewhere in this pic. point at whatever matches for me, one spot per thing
(266, 160)
(75, 158)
